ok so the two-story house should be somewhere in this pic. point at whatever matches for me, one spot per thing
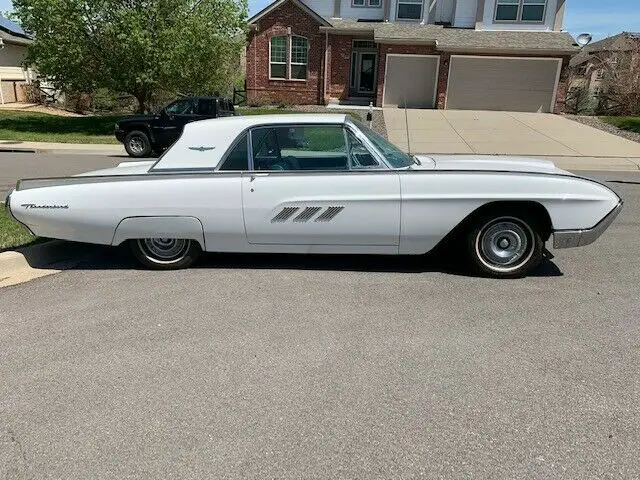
(455, 54)
(13, 48)
(594, 66)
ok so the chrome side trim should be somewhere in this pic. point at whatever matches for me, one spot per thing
(580, 238)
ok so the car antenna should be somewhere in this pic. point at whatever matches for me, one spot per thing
(406, 119)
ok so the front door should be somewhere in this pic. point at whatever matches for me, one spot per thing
(305, 189)
(367, 72)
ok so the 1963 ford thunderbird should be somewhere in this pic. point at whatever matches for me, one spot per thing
(318, 184)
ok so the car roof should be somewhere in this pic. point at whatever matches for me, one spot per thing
(203, 144)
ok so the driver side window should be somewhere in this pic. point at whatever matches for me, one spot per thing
(300, 148)
(181, 107)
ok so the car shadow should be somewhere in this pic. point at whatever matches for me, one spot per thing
(77, 256)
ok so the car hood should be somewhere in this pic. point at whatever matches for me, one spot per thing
(124, 168)
(486, 163)
(136, 118)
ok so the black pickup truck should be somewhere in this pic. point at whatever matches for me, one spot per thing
(143, 135)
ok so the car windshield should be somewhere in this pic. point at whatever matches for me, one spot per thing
(394, 156)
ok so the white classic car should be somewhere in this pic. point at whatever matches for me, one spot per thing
(318, 184)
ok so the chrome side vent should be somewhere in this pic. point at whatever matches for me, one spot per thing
(307, 214)
(284, 215)
(329, 214)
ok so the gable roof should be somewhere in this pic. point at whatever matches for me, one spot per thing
(622, 42)
(279, 3)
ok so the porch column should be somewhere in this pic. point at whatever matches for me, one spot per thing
(480, 13)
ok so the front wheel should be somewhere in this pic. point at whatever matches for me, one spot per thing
(137, 144)
(505, 246)
(165, 253)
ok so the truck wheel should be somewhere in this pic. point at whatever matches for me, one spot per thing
(137, 144)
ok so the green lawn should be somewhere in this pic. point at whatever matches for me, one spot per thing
(42, 127)
(625, 123)
(12, 234)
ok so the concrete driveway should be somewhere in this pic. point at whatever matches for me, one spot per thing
(515, 133)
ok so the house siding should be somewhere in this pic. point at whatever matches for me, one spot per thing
(261, 89)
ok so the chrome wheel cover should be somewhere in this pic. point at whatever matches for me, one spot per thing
(137, 144)
(505, 244)
(164, 250)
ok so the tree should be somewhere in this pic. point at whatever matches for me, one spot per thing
(621, 83)
(136, 46)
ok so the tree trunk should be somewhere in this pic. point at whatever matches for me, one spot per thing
(142, 100)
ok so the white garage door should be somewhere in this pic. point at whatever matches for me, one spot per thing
(411, 80)
(500, 83)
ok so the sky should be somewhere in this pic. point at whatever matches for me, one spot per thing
(601, 18)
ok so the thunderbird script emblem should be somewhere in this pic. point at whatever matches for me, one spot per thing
(201, 149)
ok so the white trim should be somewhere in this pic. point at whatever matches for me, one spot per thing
(269, 8)
(386, 67)
(555, 88)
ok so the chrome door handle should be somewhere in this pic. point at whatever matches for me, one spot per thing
(255, 175)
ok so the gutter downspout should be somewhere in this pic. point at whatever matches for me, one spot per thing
(386, 7)
(326, 65)
(336, 8)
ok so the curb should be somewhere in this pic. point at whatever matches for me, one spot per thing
(18, 150)
(40, 260)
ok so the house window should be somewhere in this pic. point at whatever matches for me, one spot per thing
(520, 10)
(288, 57)
(299, 55)
(278, 61)
(409, 10)
(365, 3)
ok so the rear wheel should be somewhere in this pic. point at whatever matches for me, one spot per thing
(137, 144)
(165, 253)
(505, 246)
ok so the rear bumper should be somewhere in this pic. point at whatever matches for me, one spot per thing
(7, 206)
(580, 238)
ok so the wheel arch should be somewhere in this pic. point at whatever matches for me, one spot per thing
(530, 208)
(142, 127)
(184, 227)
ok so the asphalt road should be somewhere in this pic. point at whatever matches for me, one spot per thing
(14, 166)
(327, 367)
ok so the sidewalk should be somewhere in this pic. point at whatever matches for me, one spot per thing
(62, 148)
(566, 162)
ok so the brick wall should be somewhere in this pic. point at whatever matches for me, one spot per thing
(262, 90)
(340, 65)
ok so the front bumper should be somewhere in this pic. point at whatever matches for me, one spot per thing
(120, 135)
(580, 238)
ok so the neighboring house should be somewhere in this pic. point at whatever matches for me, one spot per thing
(13, 48)
(597, 62)
(456, 54)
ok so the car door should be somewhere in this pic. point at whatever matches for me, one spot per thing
(178, 114)
(304, 189)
